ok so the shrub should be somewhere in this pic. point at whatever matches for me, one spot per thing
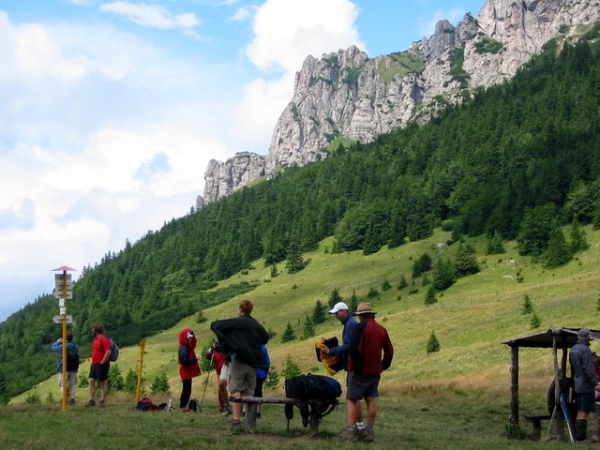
(160, 384)
(291, 369)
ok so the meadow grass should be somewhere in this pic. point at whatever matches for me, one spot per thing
(471, 320)
(417, 417)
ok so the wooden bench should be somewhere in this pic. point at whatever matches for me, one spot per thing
(252, 403)
(537, 423)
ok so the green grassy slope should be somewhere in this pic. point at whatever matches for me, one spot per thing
(470, 319)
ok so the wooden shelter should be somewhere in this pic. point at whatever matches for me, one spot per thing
(559, 340)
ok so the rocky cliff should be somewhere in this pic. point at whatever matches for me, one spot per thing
(346, 96)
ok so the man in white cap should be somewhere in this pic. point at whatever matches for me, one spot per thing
(342, 313)
(584, 380)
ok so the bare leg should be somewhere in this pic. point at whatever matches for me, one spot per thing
(92, 387)
(371, 410)
(104, 393)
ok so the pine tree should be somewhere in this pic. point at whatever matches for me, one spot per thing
(466, 261)
(444, 275)
(4, 394)
(272, 380)
(160, 384)
(294, 259)
(558, 252)
(334, 298)
(495, 245)
(319, 314)
(430, 298)
(115, 379)
(130, 385)
(527, 305)
(433, 345)
(309, 328)
(403, 283)
(578, 241)
(288, 334)
(291, 369)
(353, 302)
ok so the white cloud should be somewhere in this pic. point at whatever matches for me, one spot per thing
(243, 13)
(154, 16)
(90, 160)
(287, 31)
(104, 137)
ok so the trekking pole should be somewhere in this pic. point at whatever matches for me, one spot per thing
(206, 382)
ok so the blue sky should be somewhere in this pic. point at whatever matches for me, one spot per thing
(111, 110)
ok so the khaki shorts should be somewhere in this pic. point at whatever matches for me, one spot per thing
(224, 375)
(71, 379)
(242, 378)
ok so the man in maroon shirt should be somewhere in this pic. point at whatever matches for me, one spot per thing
(371, 353)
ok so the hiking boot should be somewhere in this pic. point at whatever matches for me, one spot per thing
(366, 435)
(349, 434)
(91, 403)
(227, 411)
(235, 424)
(101, 405)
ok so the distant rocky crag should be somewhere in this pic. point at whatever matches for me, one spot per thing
(346, 96)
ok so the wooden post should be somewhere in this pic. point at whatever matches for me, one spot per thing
(557, 389)
(514, 387)
(251, 409)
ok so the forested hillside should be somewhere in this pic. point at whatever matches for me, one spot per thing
(515, 162)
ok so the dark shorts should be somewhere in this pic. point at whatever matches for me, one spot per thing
(361, 386)
(99, 371)
(586, 402)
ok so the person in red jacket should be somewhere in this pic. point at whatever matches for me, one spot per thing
(188, 365)
(217, 360)
(371, 353)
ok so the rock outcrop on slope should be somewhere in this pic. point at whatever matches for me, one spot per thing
(346, 96)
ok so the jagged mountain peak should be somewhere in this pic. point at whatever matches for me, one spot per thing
(346, 96)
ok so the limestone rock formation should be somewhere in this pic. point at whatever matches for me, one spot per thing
(346, 96)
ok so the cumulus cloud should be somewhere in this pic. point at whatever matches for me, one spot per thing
(285, 33)
(104, 137)
(101, 140)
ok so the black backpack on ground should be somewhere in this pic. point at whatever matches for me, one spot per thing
(312, 387)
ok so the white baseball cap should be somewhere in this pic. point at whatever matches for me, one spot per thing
(338, 307)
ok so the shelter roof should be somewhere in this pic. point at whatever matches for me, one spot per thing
(545, 339)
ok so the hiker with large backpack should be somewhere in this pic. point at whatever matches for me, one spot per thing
(241, 339)
(101, 357)
(72, 364)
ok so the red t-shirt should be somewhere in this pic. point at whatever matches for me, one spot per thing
(99, 348)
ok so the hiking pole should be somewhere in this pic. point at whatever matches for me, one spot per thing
(206, 382)
(565, 411)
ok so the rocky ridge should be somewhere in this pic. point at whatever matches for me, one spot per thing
(346, 96)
